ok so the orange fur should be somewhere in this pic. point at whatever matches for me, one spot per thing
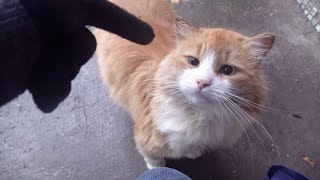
(128, 68)
(136, 75)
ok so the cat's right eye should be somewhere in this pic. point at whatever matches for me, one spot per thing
(227, 70)
(193, 61)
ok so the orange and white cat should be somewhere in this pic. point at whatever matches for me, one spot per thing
(185, 90)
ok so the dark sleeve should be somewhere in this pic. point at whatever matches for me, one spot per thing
(19, 48)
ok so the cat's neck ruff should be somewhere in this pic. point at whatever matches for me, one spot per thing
(193, 114)
(186, 125)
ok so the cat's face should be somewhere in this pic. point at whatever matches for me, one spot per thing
(214, 66)
(204, 78)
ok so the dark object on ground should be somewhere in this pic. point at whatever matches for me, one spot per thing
(283, 173)
(297, 116)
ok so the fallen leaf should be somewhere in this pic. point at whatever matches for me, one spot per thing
(309, 161)
(175, 1)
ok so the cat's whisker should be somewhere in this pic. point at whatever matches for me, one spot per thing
(244, 129)
(263, 127)
(245, 120)
(270, 82)
(241, 114)
(174, 93)
(216, 105)
(161, 81)
(220, 115)
(245, 115)
(163, 77)
(235, 107)
(247, 104)
(169, 84)
(255, 104)
(169, 87)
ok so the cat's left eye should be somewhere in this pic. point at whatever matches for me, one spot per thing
(193, 61)
(227, 70)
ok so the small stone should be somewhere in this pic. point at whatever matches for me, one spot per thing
(72, 115)
(234, 171)
(302, 6)
(287, 155)
(310, 17)
(299, 1)
(305, 2)
(272, 145)
(306, 12)
(201, 2)
(313, 11)
(318, 28)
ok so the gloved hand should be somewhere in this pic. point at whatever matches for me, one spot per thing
(58, 18)
(64, 44)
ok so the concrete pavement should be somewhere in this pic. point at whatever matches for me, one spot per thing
(89, 137)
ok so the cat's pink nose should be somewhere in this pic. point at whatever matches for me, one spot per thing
(203, 83)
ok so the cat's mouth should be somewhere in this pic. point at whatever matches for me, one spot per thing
(203, 97)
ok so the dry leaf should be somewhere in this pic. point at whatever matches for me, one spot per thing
(309, 161)
(175, 1)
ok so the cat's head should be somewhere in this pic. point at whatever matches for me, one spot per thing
(216, 66)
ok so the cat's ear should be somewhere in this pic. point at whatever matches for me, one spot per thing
(261, 44)
(183, 28)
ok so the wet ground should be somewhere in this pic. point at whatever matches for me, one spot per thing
(89, 137)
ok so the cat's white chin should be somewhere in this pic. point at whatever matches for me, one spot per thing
(199, 98)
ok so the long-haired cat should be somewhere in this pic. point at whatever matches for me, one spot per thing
(185, 89)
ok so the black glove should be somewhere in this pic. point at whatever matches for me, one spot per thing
(65, 44)
(57, 18)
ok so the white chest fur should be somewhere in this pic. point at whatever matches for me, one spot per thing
(189, 131)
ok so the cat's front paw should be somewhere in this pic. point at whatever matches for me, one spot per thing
(154, 163)
(193, 155)
(153, 166)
